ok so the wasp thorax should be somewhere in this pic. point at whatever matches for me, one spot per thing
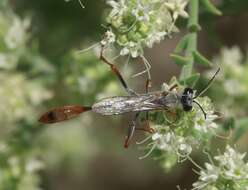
(187, 99)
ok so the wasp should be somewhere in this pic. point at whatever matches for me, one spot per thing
(133, 102)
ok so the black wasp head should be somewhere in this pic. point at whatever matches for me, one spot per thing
(187, 99)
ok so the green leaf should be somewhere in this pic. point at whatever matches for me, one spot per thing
(179, 60)
(190, 81)
(210, 7)
(241, 128)
(200, 59)
(229, 124)
(182, 44)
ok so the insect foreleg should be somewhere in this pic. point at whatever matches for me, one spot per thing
(116, 72)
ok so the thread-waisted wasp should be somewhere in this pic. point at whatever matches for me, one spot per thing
(133, 102)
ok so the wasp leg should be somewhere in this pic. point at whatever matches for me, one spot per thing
(131, 130)
(147, 127)
(117, 73)
(133, 127)
(130, 133)
(173, 87)
(148, 84)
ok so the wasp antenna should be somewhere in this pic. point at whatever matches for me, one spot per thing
(208, 84)
(204, 113)
(62, 113)
(81, 4)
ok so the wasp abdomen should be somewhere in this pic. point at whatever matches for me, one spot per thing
(62, 113)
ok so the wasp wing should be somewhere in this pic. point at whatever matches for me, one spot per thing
(123, 104)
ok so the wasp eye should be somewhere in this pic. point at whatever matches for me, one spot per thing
(186, 99)
(188, 91)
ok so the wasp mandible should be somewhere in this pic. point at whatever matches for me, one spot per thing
(133, 102)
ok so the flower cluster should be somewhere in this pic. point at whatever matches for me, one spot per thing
(21, 93)
(19, 168)
(19, 98)
(230, 172)
(13, 38)
(179, 131)
(135, 24)
(231, 82)
(169, 141)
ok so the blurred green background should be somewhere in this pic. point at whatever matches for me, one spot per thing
(45, 70)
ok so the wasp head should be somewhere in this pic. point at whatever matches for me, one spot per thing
(187, 99)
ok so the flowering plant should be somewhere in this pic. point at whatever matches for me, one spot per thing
(29, 80)
(138, 24)
(229, 173)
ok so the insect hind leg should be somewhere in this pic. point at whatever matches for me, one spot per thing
(116, 72)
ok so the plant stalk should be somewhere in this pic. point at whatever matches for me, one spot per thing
(193, 28)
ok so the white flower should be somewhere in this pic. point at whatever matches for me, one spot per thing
(167, 141)
(109, 38)
(33, 165)
(14, 163)
(16, 34)
(3, 60)
(231, 56)
(155, 38)
(233, 164)
(118, 7)
(141, 12)
(201, 123)
(231, 84)
(177, 7)
(143, 22)
(207, 176)
(230, 169)
(3, 147)
(230, 61)
(156, 136)
(131, 48)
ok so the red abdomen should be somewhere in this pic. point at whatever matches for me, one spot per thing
(62, 113)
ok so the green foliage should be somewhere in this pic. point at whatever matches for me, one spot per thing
(211, 8)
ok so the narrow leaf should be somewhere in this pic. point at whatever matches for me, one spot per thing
(200, 59)
(179, 60)
(182, 44)
(211, 7)
(190, 81)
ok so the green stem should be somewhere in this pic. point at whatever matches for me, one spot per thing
(193, 28)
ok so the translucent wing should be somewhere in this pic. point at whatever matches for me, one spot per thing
(124, 104)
